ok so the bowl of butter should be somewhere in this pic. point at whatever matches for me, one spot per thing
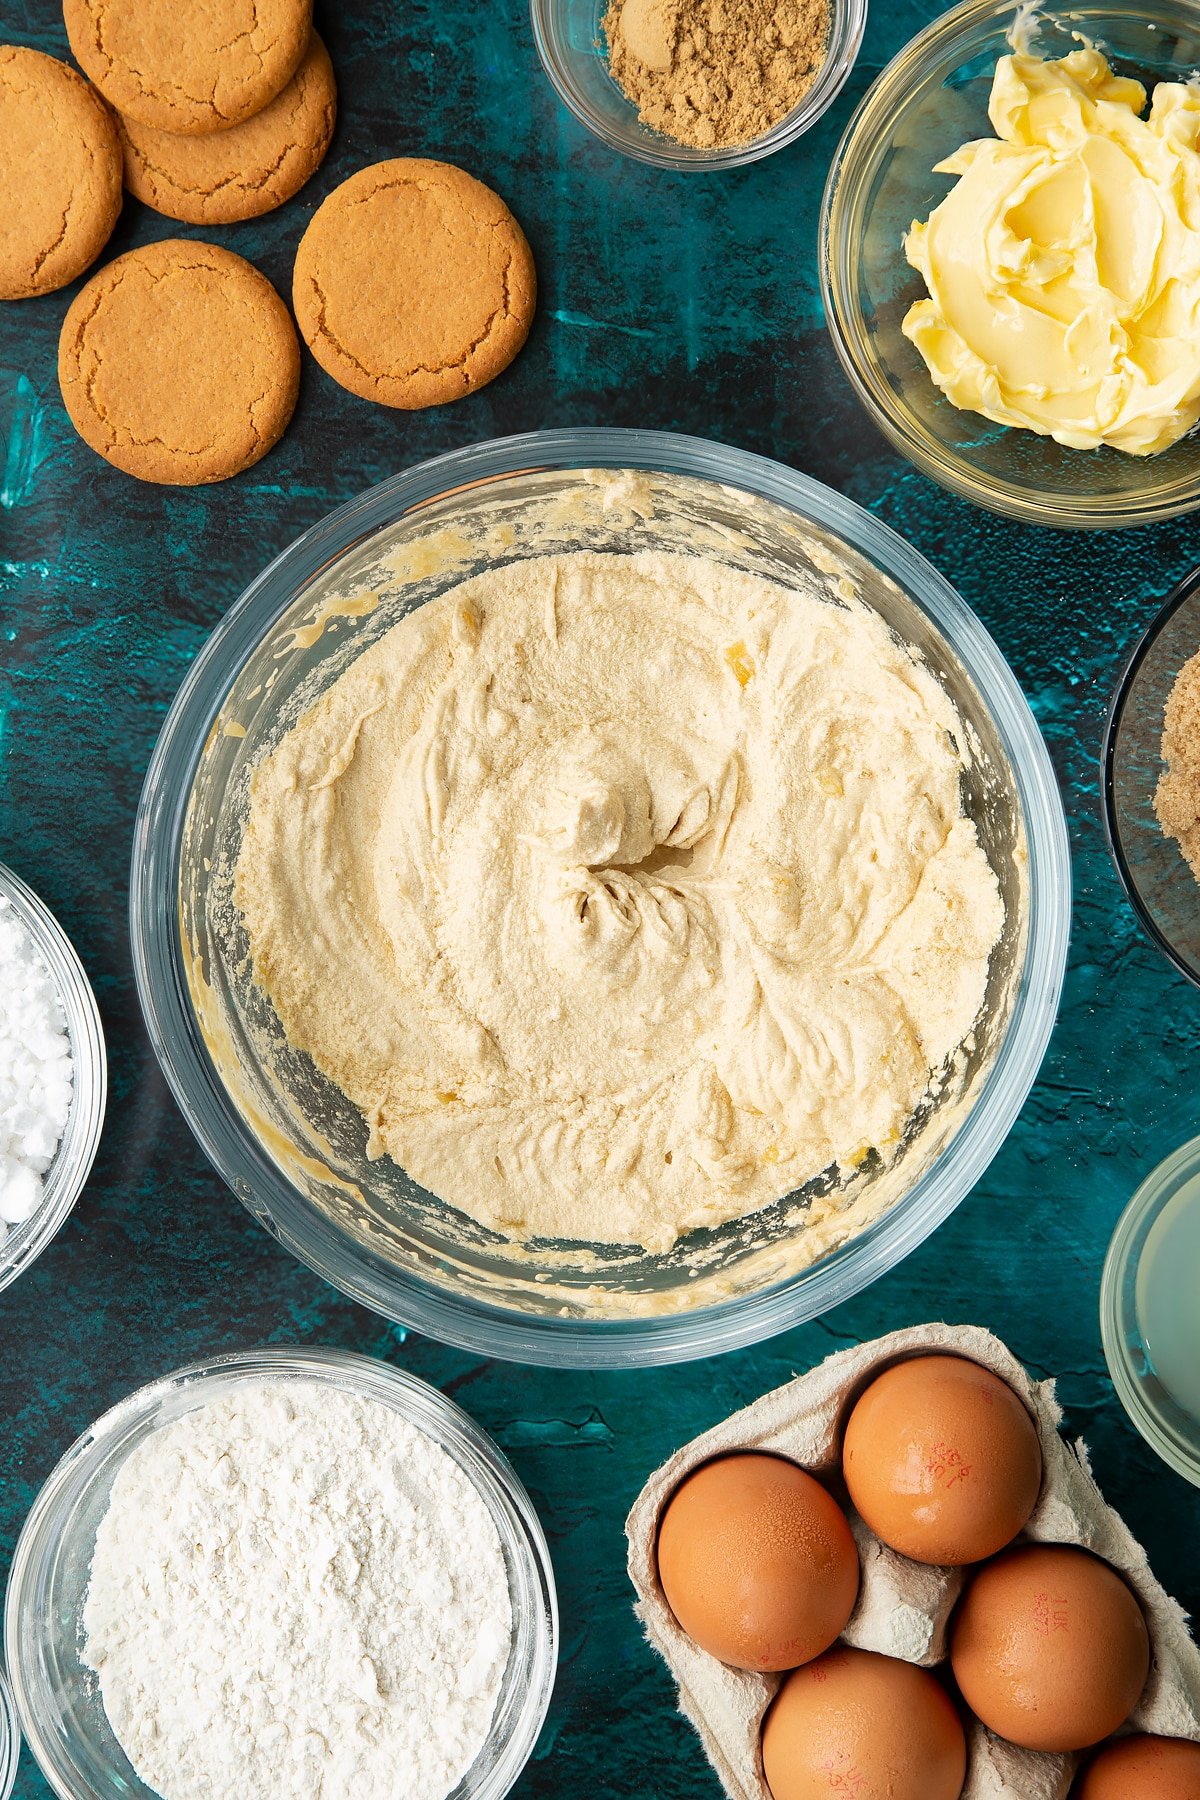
(1011, 258)
(600, 897)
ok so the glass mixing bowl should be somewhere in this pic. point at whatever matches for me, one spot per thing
(1158, 882)
(58, 1699)
(569, 35)
(294, 1149)
(930, 100)
(64, 1179)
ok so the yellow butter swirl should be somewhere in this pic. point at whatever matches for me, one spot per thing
(1063, 267)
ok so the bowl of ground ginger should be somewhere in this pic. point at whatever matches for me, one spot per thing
(698, 84)
(1152, 779)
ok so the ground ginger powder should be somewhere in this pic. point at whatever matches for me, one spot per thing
(1177, 801)
(713, 73)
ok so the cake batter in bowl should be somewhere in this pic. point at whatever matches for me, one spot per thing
(600, 898)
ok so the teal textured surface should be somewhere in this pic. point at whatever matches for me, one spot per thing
(682, 302)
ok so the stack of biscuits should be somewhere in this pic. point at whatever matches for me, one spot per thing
(179, 362)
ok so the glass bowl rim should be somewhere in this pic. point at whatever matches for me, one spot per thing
(465, 1320)
(1180, 594)
(413, 1398)
(1156, 1191)
(882, 104)
(847, 25)
(10, 1738)
(77, 1148)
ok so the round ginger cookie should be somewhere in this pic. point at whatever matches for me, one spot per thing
(413, 284)
(60, 173)
(179, 363)
(189, 65)
(247, 170)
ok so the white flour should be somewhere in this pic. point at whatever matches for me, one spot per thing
(296, 1593)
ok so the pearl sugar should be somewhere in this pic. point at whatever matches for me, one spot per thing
(36, 1070)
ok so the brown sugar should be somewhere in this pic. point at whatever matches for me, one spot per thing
(1177, 801)
(715, 73)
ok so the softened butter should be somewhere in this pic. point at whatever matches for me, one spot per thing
(1063, 267)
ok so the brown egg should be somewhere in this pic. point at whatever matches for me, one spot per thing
(757, 1562)
(863, 1725)
(1050, 1648)
(942, 1460)
(1142, 1768)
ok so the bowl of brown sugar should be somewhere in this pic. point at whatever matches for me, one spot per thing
(1152, 779)
(698, 84)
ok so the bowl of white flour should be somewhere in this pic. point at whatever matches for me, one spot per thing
(600, 898)
(296, 1572)
(53, 1076)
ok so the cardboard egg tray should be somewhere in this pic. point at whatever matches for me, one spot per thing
(904, 1608)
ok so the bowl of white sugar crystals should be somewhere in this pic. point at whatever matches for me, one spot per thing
(53, 1078)
(282, 1575)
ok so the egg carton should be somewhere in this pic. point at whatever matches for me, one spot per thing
(904, 1608)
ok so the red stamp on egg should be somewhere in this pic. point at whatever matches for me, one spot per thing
(947, 1466)
(1049, 1614)
(844, 1781)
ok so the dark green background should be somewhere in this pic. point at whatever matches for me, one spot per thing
(685, 302)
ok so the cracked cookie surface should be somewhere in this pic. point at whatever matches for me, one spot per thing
(242, 172)
(179, 363)
(189, 65)
(414, 284)
(60, 173)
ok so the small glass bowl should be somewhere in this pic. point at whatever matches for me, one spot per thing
(58, 1700)
(569, 35)
(1129, 1336)
(930, 100)
(10, 1739)
(63, 1181)
(1159, 883)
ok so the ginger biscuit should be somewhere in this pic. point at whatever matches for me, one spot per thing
(189, 65)
(247, 170)
(60, 173)
(413, 284)
(179, 363)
